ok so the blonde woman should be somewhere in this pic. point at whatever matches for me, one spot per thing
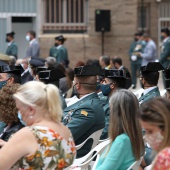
(125, 133)
(45, 143)
(155, 119)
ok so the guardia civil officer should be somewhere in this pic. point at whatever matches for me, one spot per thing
(59, 51)
(149, 77)
(114, 79)
(86, 116)
(12, 49)
(137, 46)
(165, 50)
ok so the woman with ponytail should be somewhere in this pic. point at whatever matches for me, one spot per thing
(45, 143)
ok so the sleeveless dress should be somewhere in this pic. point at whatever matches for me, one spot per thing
(53, 153)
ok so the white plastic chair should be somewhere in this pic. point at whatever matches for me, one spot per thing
(84, 162)
(96, 162)
(138, 93)
(103, 140)
(95, 136)
(135, 165)
(148, 167)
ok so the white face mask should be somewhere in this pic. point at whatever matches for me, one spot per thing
(154, 140)
(27, 37)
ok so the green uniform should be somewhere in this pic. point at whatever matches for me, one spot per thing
(60, 53)
(150, 95)
(103, 99)
(135, 65)
(107, 116)
(12, 50)
(165, 54)
(84, 118)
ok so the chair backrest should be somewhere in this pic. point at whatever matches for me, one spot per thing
(103, 140)
(135, 165)
(86, 160)
(95, 136)
(96, 162)
(138, 93)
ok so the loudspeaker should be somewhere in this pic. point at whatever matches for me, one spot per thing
(102, 18)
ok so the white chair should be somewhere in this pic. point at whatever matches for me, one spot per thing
(96, 162)
(148, 167)
(138, 93)
(103, 140)
(95, 136)
(135, 165)
(162, 92)
(84, 162)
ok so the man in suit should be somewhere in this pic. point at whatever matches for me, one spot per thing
(137, 46)
(104, 62)
(33, 49)
(149, 79)
(12, 49)
(114, 80)
(86, 116)
(150, 52)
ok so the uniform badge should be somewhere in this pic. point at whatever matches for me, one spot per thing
(83, 112)
(68, 117)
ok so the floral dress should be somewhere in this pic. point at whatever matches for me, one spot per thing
(53, 153)
(162, 161)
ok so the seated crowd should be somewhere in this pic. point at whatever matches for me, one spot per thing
(47, 109)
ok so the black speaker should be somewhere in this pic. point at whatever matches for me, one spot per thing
(102, 18)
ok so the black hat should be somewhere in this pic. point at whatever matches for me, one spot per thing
(19, 67)
(122, 77)
(39, 59)
(9, 69)
(60, 38)
(10, 34)
(88, 70)
(166, 30)
(38, 69)
(51, 75)
(152, 67)
(36, 63)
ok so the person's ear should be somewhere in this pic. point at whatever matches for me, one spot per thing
(10, 80)
(78, 85)
(112, 86)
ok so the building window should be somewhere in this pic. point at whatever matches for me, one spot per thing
(144, 17)
(65, 16)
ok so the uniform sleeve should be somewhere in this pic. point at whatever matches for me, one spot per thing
(82, 121)
(115, 156)
(60, 56)
(105, 130)
(165, 54)
(14, 50)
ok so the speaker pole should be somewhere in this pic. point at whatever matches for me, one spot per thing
(102, 40)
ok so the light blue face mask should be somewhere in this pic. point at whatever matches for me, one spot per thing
(20, 118)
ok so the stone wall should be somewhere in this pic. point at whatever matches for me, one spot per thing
(84, 46)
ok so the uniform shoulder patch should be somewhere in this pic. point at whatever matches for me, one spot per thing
(83, 112)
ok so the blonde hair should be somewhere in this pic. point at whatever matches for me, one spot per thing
(157, 112)
(38, 94)
(124, 108)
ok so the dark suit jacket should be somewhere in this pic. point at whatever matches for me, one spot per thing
(26, 77)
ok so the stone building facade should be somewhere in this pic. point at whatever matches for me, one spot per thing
(125, 21)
